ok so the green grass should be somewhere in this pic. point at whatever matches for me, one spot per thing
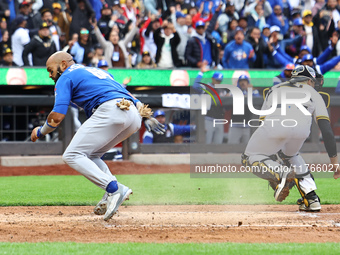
(151, 189)
(169, 248)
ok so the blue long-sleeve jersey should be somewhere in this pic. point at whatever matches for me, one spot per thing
(236, 56)
(319, 62)
(272, 20)
(87, 87)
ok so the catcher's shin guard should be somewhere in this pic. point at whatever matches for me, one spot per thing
(303, 199)
(264, 171)
(284, 158)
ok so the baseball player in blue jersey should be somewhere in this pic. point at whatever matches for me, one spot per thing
(113, 115)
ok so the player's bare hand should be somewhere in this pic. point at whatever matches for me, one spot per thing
(335, 168)
(34, 134)
(336, 174)
(204, 66)
(127, 80)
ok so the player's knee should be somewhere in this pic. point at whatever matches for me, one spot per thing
(69, 157)
(66, 157)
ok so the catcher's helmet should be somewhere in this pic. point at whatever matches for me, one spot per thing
(304, 71)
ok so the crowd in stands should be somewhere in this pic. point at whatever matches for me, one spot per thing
(226, 34)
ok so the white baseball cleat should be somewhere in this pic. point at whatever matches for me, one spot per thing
(314, 206)
(282, 190)
(100, 208)
(114, 200)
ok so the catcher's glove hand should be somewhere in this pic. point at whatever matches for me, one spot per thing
(154, 125)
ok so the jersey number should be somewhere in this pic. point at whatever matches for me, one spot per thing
(99, 73)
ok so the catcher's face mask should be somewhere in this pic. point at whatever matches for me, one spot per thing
(304, 71)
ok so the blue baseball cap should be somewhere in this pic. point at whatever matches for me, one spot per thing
(239, 29)
(159, 113)
(243, 77)
(305, 47)
(218, 76)
(200, 23)
(307, 57)
(179, 15)
(102, 63)
(265, 26)
(297, 22)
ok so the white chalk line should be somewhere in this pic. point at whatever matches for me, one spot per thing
(222, 226)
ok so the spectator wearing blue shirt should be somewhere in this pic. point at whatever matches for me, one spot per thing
(171, 130)
(82, 50)
(206, 7)
(202, 45)
(278, 19)
(265, 33)
(296, 31)
(256, 18)
(237, 53)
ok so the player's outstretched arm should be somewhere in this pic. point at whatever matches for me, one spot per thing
(53, 121)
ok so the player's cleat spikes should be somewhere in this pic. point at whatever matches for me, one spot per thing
(314, 205)
(115, 199)
(100, 208)
(282, 190)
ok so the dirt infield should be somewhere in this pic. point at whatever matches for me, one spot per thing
(194, 223)
(170, 224)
